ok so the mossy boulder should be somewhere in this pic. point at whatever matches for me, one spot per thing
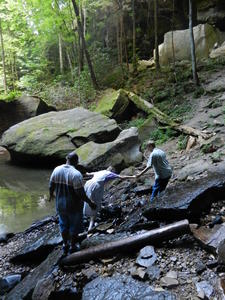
(18, 110)
(120, 153)
(49, 137)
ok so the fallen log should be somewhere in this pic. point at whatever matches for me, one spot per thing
(163, 118)
(127, 244)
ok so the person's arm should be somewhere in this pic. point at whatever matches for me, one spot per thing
(122, 177)
(51, 190)
(143, 171)
(84, 198)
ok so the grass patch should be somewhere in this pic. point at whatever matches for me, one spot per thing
(162, 135)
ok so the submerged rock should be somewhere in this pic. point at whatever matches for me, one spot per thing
(122, 287)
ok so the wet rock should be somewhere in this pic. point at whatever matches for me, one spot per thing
(146, 257)
(212, 264)
(210, 238)
(5, 236)
(8, 282)
(188, 200)
(205, 288)
(26, 286)
(98, 239)
(39, 248)
(122, 287)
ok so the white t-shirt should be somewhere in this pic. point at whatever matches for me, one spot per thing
(157, 160)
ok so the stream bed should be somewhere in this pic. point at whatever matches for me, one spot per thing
(23, 195)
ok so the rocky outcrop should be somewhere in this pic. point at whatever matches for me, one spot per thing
(47, 138)
(205, 37)
(21, 109)
(188, 200)
(122, 152)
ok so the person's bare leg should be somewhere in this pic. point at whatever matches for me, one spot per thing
(92, 219)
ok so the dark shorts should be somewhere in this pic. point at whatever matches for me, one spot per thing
(71, 223)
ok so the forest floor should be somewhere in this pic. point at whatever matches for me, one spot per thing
(189, 261)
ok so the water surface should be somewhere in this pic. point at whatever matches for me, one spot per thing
(23, 195)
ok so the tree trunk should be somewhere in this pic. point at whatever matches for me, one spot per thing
(127, 244)
(80, 29)
(3, 59)
(60, 54)
(192, 44)
(156, 34)
(69, 63)
(134, 39)
(173, 49)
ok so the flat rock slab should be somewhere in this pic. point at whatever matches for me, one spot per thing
(40, 247)
(188, 199)
(25, 288)
(122, 287)
(210, 238)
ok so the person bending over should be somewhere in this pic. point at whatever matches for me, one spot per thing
(94, 189)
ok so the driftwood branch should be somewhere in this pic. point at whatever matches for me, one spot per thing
(128, 244)
(165, 119)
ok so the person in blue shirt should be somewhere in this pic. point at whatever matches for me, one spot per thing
(163, 171)
(66, 182)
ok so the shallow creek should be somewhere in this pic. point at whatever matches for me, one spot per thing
(23, 195)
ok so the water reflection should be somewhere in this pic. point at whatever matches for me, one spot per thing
(23, 196)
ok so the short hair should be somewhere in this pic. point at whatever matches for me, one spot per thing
(73, 158)
(150, 143)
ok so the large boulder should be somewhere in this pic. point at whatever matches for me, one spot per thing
(21, 109)
(49, 137)
(205, 37)
(121, 153)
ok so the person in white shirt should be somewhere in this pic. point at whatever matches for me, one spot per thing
(163, 171)
(94, 189)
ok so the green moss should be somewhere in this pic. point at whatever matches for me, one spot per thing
(11, 96)
(106, 103)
